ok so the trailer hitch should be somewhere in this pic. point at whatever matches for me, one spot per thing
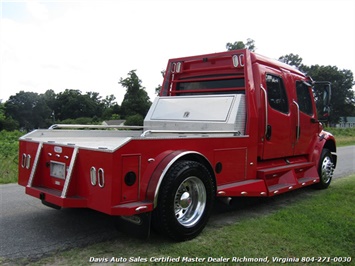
(42, 197)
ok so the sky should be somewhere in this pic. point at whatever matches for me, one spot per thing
(89, 45)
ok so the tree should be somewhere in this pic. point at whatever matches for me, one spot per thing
(292, 60)
(343, 98)
(73, 104)
(95, 106)
(50, 100)
(111, 108)
(32, 110)
(136, 99)
(250, 45)
(6, 123)
(28, 109)
(2, 116)
(158, 88)
(109, 101)
(134, 120)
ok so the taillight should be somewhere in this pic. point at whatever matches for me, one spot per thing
(238, 60)
(23, 160)
(26, 161)
(101, 178)
(93, 176)
(97, 177)
(176, 67)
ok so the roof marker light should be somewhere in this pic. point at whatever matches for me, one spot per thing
(173, 67)
(241, 60)
(178, 67)
(235, 60)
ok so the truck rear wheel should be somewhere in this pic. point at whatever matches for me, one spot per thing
(326, 169)
(185, 201)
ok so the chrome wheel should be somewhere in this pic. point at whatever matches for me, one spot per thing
(327, 169)
(185, 200)
(190, 201)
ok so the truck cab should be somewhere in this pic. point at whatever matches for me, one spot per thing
(230, 124)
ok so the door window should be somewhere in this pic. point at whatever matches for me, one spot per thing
(279, 126)
(276, 93)
(304, 98)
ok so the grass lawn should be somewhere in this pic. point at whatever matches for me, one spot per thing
(343, 136)
(318, 228)
(9, 156)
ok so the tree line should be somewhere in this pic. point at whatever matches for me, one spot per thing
(29, 110)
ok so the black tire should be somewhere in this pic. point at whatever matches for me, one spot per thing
(185, 201)
(325, 169)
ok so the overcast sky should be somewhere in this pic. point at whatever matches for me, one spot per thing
(88, 45)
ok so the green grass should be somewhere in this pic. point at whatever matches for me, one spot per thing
(322, 224)
(9, 156)
(343, 136)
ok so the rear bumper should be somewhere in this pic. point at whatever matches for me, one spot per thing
(54, 197)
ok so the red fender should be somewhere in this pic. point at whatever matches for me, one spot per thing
(325, 140)
(160, 171)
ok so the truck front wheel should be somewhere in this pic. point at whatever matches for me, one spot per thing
(325, 170)
(185, 201)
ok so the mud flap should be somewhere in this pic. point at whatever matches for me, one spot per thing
(137, 225)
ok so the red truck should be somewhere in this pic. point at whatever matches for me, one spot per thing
(230, 124)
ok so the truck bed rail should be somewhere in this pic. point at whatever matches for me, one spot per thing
(146, 132)
(77, 126)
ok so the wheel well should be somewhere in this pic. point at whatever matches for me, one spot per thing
(330, 145)
(201, 159)
(167, 162)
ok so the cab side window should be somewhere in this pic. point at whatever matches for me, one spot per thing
(304, 98)
(276, 93)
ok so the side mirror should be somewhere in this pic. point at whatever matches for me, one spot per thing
(322, 94)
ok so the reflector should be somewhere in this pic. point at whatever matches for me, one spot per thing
(241, 60)
(178, 67)
(235, 60)
(93, 176)
(173, 67)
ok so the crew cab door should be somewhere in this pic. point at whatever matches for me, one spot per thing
(307, 125)
(278, 139)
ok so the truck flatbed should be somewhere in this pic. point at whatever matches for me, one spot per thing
(105, 140)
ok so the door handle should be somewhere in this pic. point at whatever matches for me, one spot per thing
(298, 130)
(268, 132)
(266, 112)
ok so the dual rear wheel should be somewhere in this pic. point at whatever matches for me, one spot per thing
(185, 201)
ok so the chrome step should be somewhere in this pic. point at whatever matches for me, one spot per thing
(35, 163)
(69, 173)
(279, 188)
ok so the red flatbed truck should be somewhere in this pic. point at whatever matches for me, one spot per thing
(230, 124)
